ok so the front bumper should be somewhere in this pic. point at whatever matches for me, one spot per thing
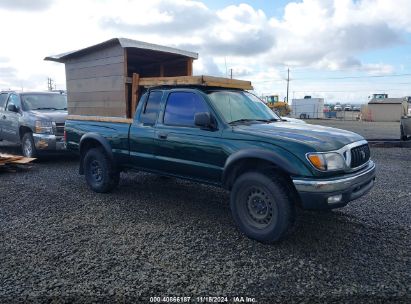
(45, 142)
(314, 193)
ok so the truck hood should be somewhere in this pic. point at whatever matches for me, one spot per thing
(58, 116)
(316, 137)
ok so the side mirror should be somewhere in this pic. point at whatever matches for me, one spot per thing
(12, 107)
(204, 120)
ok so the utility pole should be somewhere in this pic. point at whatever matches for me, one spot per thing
(50, 84)
(231, 73)
(288, 82)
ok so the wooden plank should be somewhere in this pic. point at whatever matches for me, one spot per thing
(195, 80)
(227, 82)
(100, 119)
(99, 84)
(134, 93)
(190, 67)
(161, 70)
(93, 63)
(179, 80)
(115, 69)
(23, 160)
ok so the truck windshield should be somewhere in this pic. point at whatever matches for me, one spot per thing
(45, 101)
(241, 107)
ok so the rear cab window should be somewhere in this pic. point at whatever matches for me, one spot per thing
(151, 108)
(181, 108)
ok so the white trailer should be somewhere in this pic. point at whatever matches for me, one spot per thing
(307, 108)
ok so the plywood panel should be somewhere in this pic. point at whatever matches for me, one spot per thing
(100, 84)
(96, 104)
(93, 63)
(110, 51)
(116, 112)
(100, 118)
(96, 96)
(114, 69)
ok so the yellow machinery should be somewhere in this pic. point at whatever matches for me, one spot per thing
(271, 100)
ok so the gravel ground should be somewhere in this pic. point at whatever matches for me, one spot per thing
(153, 236)
(370, 130)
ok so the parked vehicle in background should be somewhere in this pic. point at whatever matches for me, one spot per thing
(356, 108)
(347, 108)
(405, 122)
(337, 108)
(33, 119)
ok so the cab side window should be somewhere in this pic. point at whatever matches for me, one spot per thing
(14, 99)
(3, 97)
(151, 109)
(181, 108)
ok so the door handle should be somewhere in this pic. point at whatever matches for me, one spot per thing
(162, 135)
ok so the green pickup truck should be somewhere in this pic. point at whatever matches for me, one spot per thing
(231, 139)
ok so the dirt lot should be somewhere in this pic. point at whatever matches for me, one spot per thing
(370, 130)
(167, 237)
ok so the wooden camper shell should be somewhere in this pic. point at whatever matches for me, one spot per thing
(104, 80)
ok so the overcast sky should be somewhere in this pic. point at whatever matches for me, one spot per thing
(343, 50)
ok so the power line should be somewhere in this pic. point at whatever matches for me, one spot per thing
(334, 78)
(357, 77)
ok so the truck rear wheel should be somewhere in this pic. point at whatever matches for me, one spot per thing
(262, 207)
(100, 173)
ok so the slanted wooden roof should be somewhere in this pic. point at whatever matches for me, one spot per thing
(124, 43)
(202, 80)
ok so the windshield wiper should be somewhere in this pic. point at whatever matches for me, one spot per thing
(268, 120)
(251, 120)
(241, 120)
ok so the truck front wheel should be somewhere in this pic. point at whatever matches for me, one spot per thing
(27, 145)
(262, 206)
(101, 176)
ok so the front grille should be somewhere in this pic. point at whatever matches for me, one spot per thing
(60, 129)
(359, 155)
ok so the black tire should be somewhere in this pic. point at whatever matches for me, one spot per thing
(403, 136)
(27, 145)
(262, 206)
(101, 176)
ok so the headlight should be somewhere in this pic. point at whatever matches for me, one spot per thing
(327, 161)
(44, 127)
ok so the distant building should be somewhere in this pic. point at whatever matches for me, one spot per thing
(383, 108)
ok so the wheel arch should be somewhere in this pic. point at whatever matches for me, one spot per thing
(23, 130)
(93, 140)
(255, 159)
